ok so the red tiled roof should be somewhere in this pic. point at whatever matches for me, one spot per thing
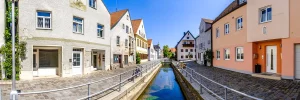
(116, 16)
(149, 42)
(135, 25)
(230, 8)
(173, 50)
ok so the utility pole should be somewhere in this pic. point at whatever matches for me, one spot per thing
(13, 93)
(116, 5)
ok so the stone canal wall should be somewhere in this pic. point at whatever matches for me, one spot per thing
(188, 90)
(132, 90)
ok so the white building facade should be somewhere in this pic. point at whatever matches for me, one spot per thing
(123, 52)
(203, 41)
(64, 38)
(141, 39)
(152, 55)
(185, 48)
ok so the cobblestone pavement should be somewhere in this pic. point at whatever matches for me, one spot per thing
(258, 87)
(58, 83)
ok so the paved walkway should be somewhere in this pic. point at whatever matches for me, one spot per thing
(71, 94)
(258, 87)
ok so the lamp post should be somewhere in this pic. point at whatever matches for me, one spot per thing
(13, 93)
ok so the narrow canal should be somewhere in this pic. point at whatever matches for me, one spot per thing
(163, 87)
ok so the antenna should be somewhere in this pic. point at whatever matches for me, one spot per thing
(116, 5)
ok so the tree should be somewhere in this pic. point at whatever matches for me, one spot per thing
(208, 56)
(167, 52)
(138, 58)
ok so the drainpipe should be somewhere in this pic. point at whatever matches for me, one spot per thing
(110, 53)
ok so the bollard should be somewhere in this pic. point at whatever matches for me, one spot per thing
(133, 76)
(89, 91)
(120, 82)
(200, 89)
(225, 94)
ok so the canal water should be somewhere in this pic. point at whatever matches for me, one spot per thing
(163, 87)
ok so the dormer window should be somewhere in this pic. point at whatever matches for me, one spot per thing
(242, 1)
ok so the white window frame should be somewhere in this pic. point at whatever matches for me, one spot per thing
(239, 26)
(43, 17)
(226, 28)
(98, 34)
(227, 54)
(218, 55)
(217, 33)
(266, 15)
(239, 53)
(95, 4)
(78, 25)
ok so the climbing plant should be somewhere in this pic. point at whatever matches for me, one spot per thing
(6, 50)
(138, 58)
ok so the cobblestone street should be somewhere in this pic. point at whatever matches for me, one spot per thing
(262, 88)
(58, 83)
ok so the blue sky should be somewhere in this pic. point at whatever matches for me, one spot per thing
(166, 20)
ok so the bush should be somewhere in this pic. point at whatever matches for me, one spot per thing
(138, 58)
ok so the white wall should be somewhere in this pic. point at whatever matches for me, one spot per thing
(2, 21)
(119, 31)
(184, 53)
(205, 39)
(141, 28)
(151, 53)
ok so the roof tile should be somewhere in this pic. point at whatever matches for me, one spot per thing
(115, 17)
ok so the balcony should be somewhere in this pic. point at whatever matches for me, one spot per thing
(188, 45)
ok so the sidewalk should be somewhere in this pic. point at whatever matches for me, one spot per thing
(57, 83)
(262, 88)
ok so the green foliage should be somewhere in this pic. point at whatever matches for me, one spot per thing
(167, 52)
(138, 58)
(208, 56)
(6, 50)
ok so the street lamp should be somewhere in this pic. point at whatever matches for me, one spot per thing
(13, 93)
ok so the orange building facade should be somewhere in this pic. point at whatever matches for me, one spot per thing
(258, 32)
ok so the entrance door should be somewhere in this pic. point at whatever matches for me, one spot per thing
(35, 63)
(95, 61)
(297, 61)
(271, 59)
(77, 62)
(126, 59)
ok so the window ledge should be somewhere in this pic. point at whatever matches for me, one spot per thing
(218, 58)
(239, 60)
(44, 28)
(118, 44)
(265, 22)
(227, 59)
(78, 33)
(101, 37)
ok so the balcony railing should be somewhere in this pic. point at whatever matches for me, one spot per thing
(188, 45)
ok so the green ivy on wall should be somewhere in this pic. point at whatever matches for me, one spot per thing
(6, 50)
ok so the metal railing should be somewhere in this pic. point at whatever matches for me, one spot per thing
(122, 79)
(216, 88)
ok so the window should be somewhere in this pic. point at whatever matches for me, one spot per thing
(184, 42)
(100, 30)
(140, 32)
(227, 54)
(186, 56)
(138, 42)
(127, 29)
(191, 50)
(208, 42)
(217, 32)
(181, 50)
(242, 1)
(118, 41)
(181, 56)
(130, 30)
(126, 43)
(127, 17)
(265, 14)
(116, 58)
(93, 3)
(77, 25)
(218, 55)
(186, 50)
(123, 26)
(239, 23)
(48, 58)
(43, 20)
(226, 28)
(239, 54)
(187, 37)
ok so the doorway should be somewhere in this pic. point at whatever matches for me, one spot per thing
(271, 59)
(77, 62)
